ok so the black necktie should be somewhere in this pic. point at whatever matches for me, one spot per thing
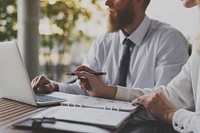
(124, 65)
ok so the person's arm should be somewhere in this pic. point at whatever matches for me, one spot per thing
(158, 105)
(186, 121)
(91, 60)
(72, 88)
(178, 92)
(171, 55)
(42, 84)
(96, 55)
(93, 84)
(178, 96)
(182, 120)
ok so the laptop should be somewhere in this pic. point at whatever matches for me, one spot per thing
(14, 80)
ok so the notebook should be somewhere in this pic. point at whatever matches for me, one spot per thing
(101, 112)
(91, 116)
(14, 79)
(100, 103)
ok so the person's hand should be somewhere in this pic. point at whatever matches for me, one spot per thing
(93, 84)
(189, 3)
(158, 105)
(42, 84)
(84, 82)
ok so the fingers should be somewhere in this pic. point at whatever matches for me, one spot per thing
(157, 104)
(34, 84)
(84, 74)
(138, 101)
(84, 68)
(41, 84)
(149, 101)
(45, 88)
(143, 100)
(84, 84)
(90, 83)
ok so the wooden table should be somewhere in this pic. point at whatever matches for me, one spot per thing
(12, 112)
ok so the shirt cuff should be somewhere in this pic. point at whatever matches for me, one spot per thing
(123, 93)
(61, 87)
(181, 120)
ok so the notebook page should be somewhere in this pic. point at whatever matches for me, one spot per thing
(86, 101)
(106, 118)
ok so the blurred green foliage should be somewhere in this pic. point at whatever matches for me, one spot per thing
(62, 14)
(8, 20)
(62, 17)
(58, 17)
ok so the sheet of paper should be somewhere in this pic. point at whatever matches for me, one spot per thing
(107, 118)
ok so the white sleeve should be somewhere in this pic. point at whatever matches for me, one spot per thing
(71, 88)
(185, 121)
(94, 57)
(129, 94)
(172, 54)
(178, 91)
(92, 60)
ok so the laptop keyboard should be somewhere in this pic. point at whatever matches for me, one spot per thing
(45, 98)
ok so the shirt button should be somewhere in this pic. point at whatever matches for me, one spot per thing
(182, 128)
(176, 124)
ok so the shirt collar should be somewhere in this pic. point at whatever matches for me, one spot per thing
(138, 35)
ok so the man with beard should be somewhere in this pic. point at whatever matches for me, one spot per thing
(157, 52)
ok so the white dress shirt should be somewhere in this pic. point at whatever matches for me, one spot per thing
(183, 92)
(158, 56)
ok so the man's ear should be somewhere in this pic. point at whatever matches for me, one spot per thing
(138, 2)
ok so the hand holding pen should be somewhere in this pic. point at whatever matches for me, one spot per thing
(86, 69)
(89, 82)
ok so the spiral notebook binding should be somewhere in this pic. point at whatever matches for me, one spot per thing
(86, 106)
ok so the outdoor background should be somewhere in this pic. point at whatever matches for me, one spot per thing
(68, 27)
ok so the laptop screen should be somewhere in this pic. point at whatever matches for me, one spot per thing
(14, 79)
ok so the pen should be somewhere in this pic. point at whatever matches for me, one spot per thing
(95, 73)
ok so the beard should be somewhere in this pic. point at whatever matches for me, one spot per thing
(120, 19)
